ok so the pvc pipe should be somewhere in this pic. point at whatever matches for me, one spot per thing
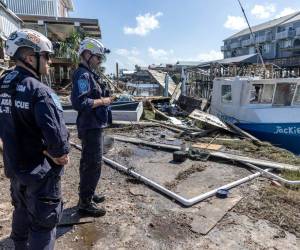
(274, 176)
(180, 199)
(169, 193)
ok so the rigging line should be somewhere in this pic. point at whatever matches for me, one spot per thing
(253, 37)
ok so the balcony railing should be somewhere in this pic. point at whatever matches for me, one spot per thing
(269, 37)
(225, 48)
(235, 45)
(285, 34)
(246, 43)
(261, 39)
(33, 7)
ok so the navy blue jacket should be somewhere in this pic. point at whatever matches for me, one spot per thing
(33, 124)
(85, 89)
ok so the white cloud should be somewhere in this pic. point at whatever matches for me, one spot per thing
(286, 11)
(160, 55)
(126, 52)
(122, 52)
(127, 58)
(144, 25)
(235, 23)
(263, 11)
(210, 56)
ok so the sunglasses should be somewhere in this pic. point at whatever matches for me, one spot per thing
(47, 56)
(100, 57)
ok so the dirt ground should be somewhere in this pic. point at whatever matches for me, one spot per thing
(256, 215)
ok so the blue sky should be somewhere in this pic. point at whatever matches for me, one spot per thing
(148, 32)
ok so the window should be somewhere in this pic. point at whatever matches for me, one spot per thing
(287, 44)
(262, 93)
(267, 48)
(284, 94)
(297, 96)
(252, 50)
(226, 94)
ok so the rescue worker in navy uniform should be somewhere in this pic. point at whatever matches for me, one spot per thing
(91, 99)
(35, 142)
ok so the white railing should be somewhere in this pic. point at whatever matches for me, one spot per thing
(247, 42)
(33, 7)
(235, 45)
(261, 39)
(282, 35)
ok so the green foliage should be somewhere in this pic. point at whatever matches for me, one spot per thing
(70, 46)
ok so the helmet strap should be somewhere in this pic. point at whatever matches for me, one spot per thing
(89, 60)
(38, 61)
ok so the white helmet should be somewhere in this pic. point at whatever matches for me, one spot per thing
(93, 45)
(27, 38)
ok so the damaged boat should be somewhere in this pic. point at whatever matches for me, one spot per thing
(269, 109)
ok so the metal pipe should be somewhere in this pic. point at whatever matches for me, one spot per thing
(169, 193)
(274, 176)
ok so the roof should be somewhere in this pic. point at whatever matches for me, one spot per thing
(63, 25)
(270, 24)
(188, 63)
(252, 58)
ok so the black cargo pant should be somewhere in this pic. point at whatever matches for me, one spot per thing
(37, 210)
(90, 162)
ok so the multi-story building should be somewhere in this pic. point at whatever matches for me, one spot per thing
(51, 18)
(55, 8)
(9, 22)
(276, 39)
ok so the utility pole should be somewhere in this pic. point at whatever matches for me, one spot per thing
(117, 74)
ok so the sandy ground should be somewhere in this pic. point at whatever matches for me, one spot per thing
(256, 215)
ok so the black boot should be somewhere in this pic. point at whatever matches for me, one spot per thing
(98, 198)
(87, 207)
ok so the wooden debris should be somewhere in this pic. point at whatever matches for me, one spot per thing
(209, 119)
(244, 133)
(215, 147)
(181, 127)
(200, 134)
(223, 155)
(160, 78)
(176, 93)
(258, 162)
(147, 143)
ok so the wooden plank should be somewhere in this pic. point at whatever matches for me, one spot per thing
(160, 78)
(181, 127)
(243, 133)
(208, 146)
(147, 143)
(209, 119)
(211, 213)
(176, 93)
(258, 162)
